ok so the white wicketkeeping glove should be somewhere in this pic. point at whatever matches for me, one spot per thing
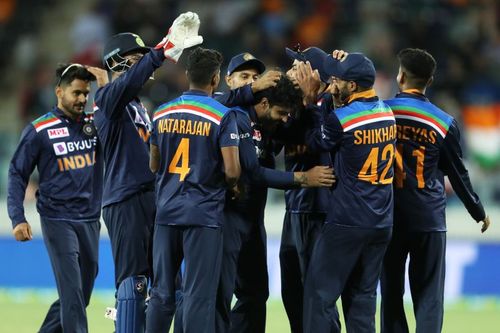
(182, 34)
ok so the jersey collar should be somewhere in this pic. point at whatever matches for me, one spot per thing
(412, 93)
(195, 92)
(368, 96)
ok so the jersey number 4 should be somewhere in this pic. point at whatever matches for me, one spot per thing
(181, 155)
(369, 171)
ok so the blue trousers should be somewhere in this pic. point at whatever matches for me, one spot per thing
(299, 234)
(130, 227)
(346, 261)
(427, 252)
(243, 273)
(73, 249)
(201, 249)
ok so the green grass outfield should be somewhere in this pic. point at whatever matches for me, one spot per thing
(22, 311)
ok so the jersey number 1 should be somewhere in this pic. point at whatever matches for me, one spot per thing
(182, 154)
(400, 173)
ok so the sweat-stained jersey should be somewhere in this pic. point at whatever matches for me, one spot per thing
(123, 126)
(190, 185)
(361, 138)
(69, 165)
(427, 148)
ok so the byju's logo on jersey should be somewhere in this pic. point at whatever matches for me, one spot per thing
(60, 148)
(56, 133)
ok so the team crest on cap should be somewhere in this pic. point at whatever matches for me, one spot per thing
(248, 56)
(139, 41)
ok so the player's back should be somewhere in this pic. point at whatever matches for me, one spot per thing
(190, 181)
(419, 187)
(363, 163)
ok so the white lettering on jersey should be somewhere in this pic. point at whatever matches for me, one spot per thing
(81, 145)
(56, 133)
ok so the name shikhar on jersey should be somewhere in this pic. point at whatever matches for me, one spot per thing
(374, 136)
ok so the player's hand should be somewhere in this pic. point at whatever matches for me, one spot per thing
(319, 176)
(268, 80)
(100, 74)
(22, 232)
(182, 34)
(308, 81)
(334, 91)
(486, 224)
(340, 55)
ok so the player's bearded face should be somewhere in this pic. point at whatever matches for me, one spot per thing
(275, 115)
(73, 98)
(340, 90)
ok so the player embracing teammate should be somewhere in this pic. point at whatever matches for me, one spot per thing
(182, 171)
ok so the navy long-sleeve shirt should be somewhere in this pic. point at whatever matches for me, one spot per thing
(256, 151)
(428, 147)
(69, 166)
(305, 200)
(124, 127)
(361, 138)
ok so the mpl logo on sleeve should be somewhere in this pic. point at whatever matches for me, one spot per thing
(56, 133)
(60, 148)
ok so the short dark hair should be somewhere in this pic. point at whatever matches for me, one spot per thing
(66, 73)
(202, 64)
(284, 94)
(419, 64)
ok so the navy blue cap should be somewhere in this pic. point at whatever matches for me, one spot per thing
(356, 67)
(245, 59)
(314, 55)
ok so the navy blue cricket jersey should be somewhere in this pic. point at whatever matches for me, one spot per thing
(257, 164)
(69, 167)
(428, 146)
(189, 132)
(307, 200)
(361, 137)
(256, 154)
(124, 127)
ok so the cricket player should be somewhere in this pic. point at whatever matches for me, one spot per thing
(428, 147)
(244, 267)
(347, 256)
(305, 207)
(63, 146)
(194, 150)
(124, 127)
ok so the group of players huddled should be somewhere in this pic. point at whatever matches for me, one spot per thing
(183, 190)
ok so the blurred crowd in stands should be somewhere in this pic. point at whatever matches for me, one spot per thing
(463, 36)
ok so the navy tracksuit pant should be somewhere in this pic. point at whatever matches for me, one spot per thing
(426, 251)
(130, 226)
(346, 261)
(201, 249)
(244, 273)
(73, 249)
(299, 234)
